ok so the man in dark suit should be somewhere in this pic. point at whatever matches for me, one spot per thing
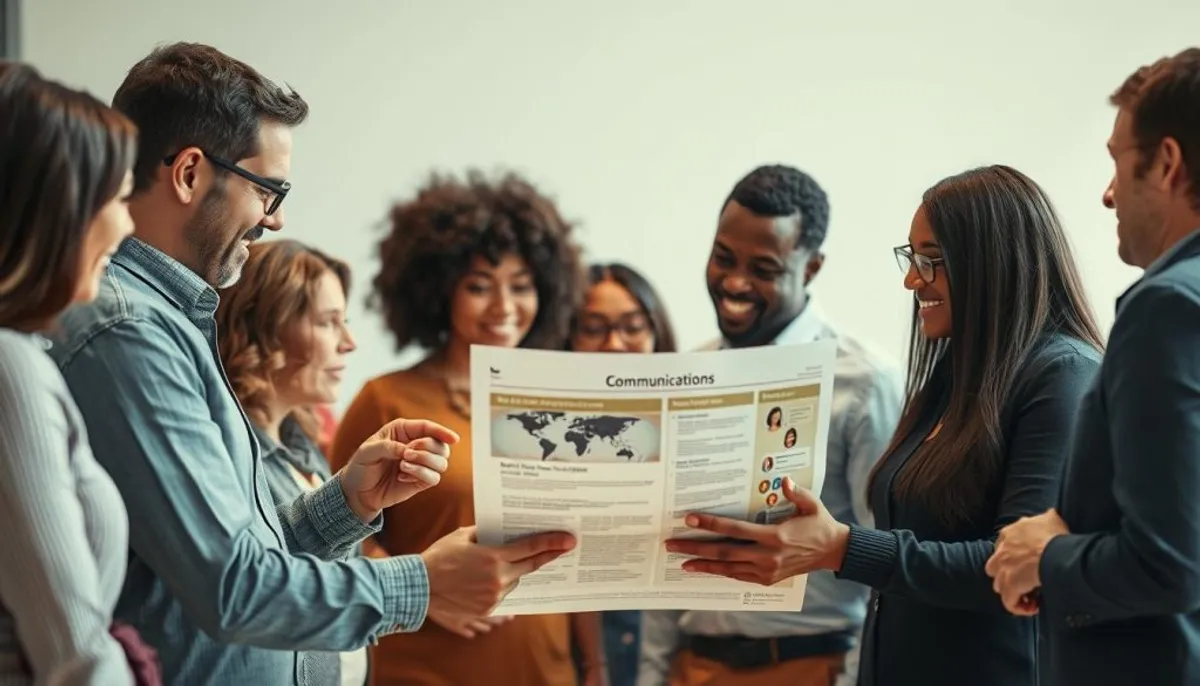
(1114, 572)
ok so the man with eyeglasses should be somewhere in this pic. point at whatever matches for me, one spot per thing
(228, 587)
(766, 252)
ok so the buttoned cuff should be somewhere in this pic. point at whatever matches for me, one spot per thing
(405, 592)
(329, 513)
(870, 556)
(1057, 598)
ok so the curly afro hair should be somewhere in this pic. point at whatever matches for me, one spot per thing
(781, 191)
(435, 235)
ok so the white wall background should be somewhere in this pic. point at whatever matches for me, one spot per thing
(639, 116)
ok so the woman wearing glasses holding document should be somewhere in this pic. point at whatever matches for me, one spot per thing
(621, 313)
(474, 261)
(1003, 346)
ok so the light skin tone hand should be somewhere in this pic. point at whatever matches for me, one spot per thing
(1014, 565)
(768, 553)
(403, 458)
(468, 580)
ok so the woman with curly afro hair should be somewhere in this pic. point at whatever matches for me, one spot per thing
(475, 261)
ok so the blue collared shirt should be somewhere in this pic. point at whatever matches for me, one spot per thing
(226, 585)
(868, 397)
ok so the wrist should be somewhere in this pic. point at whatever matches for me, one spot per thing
(836, 553)
(365, 514)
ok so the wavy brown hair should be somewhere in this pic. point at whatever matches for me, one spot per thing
(278, 286)
(435, 235)
(63, 157)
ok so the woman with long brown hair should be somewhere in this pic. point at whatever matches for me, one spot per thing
(283, 340)
(1004, 344)
(65, 161)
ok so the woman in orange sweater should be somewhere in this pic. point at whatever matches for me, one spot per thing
(468, 262)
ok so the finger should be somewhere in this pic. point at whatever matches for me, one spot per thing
(463, 631)
(430, 445)
(534, 545)
(730, 527)
(378, 450)
(516, 570)
(433, 461)
(711, 550)
(412, 429)
(479, 626)
(742, 571)
(994, 563)
(806, 503)
(420, 475)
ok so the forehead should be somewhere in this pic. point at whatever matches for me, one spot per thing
(611, 297)
(274, 158)
(510, 264)
(920, 233)
(329, 293)
(1122, 132)
(742, 231)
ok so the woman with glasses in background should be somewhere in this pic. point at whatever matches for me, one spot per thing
(1004, 344)
(621, 313)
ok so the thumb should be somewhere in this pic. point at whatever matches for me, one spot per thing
(806, 503)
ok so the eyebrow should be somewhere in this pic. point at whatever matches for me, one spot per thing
(929, 244)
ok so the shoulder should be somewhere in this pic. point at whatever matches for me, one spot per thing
(1060, 366)
(25, 368)
(866, 369)
(1173, 290)
(123, 304)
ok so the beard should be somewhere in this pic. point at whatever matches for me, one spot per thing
(219, 256)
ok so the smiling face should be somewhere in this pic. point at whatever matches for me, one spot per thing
(494, 304)
(757, 275)
(232, 214)
(1139, 208)
(612, 320)
(111, 225)
(316, 344)
(932, 294)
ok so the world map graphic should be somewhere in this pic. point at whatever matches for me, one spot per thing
(564, 436)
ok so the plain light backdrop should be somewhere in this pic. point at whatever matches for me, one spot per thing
(639, 116)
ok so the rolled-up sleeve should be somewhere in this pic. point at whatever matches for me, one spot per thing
(50, 585)
(191, 519)
(320, 522)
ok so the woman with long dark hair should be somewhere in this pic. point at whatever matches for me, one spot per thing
(621, 313)
(1004, 344)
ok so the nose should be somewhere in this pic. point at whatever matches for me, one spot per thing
(735, 284)
(613, 343)
(347, 344)
(912, 280)
(1107, 198)
(503, 303)
(273, 221)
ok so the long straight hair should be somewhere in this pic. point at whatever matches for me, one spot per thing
(1013, 281)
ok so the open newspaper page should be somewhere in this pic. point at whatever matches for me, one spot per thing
(617, 449)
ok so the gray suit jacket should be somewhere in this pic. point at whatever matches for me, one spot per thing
(1121, 592)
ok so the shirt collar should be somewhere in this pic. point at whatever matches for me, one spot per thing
(178, 284)
(297, 449)
(1189, 246)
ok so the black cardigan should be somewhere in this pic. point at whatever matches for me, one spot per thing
(934, 619)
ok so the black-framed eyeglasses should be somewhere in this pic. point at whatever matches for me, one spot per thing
(276, 191)
(633, 328)
(925, 265)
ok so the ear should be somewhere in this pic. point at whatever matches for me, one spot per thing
(184, 174)
(813, 265)
(1174, 172)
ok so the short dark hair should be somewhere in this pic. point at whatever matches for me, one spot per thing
(1164, 100)
(647, 298)
(435, 235)
(186, 94)
(777, 190)
(63, 157)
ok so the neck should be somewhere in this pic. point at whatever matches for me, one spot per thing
(1176, 231)
(456, 361)
(273, 415)
(152, 226)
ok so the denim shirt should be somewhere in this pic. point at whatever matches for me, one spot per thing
(226, 585)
